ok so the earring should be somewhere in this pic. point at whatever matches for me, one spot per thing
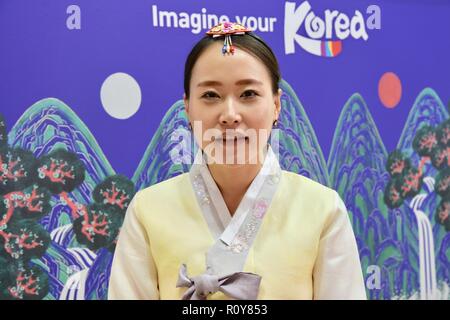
(190, 126)
(275, 123)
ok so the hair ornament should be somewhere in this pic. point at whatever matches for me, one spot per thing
(227, 29)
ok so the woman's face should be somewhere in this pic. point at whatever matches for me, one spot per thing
(231, 106)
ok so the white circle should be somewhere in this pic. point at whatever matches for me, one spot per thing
(120, 95)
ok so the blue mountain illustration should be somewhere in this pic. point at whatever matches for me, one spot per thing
(386, 238)
(45, 126)
(357, 171)
(170, 151)
(299, 149)
(428, 109)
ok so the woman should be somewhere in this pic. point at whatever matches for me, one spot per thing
(235, 226)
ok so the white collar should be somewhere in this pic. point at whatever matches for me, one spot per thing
(230, 225)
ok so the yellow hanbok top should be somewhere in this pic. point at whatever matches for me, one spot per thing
(290, 230)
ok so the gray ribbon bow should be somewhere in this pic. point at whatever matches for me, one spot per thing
(238, 285)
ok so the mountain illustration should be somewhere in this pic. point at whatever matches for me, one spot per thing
(299, 149)
(45, 126)
(386, 237)
(356, 165)
(428, 110)
(170, 152)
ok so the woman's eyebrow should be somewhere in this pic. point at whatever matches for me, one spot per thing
(209, 83)
(212, 83)
(248, 81)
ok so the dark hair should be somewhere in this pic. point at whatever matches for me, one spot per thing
(249, 42)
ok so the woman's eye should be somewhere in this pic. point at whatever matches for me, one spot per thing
(249, 94)
(210, 95)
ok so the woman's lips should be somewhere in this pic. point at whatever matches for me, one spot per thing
(234, 138)
(230, 139)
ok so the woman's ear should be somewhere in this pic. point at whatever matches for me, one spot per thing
(186, 103)
(277, 102)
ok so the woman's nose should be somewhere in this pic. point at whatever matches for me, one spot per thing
(230, 114)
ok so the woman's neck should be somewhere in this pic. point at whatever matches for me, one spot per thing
(233, 181)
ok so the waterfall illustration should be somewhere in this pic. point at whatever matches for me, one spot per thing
(427, 266)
